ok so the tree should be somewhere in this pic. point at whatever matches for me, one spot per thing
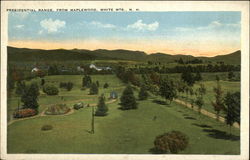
(42, 82)
(198, 76)
(218, 104)
(231, 75)
(20, 87)
(143, 94)
(53, 70)
(202, 89)
(167, 90)
(102, 108)
(106, 85)
(93, 89)
(97, 84)
(171, 142)
(199, 102)
(10, 80)
(30, 96)
(86, 81)
(50, 89)
(128, 100)
(155, 78)
(232, 102)
(69, 86)
(188, 77)
(217, 78)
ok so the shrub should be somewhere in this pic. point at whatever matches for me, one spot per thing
(22, 113)
(171, 142)
(57, 109)
(50, 89)
(66, 85)
(106, 85)
(93, 89)
(46, 127)
(78, 106)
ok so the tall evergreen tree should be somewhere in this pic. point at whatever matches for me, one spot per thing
(167, 90)
(20, 87)
(30, 96)
(86, 81)
(143, 94)
(93, 89)
(102, 108)
(128, 100)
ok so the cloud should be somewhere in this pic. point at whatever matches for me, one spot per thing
(102, 25)
(20, 26)
(52, 26)
(213, 25)
(140, 26)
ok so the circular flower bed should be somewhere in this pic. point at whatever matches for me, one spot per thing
(57, 109)
(22, 113)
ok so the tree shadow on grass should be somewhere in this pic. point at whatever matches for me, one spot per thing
(189, 117)
(159, 102)
(201, 125)
(155, 151)
(217, 134)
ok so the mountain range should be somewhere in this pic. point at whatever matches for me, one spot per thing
(26, 54)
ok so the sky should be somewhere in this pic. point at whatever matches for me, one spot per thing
(188, 33)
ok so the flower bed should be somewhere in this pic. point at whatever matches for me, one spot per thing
(22, 113)
(57, 109)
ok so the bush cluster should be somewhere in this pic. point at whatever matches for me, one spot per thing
(50, 89)
(171, 142)
(24, 113)
(66, 85)
(46, 127)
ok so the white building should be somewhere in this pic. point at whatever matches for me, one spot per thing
(35, 70)
(80, 69)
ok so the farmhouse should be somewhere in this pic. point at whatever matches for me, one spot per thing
(80, 69)
(92, 66)
(35, 70)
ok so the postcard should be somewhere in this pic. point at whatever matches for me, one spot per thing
(125, 80)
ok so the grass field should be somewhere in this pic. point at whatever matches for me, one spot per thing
(120, 132)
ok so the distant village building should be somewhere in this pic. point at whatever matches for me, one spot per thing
(113, 95)
(92, 66)
(35, 70)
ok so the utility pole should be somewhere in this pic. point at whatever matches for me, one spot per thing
(93, 121)
(18, 104)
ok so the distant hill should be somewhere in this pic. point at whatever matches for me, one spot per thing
(25, 54)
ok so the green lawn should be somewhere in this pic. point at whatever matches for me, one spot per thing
(120, 132)
(75, 94)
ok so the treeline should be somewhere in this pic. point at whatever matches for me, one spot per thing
(193, 61)
(187, 68)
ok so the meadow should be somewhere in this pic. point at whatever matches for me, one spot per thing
(120, 132)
